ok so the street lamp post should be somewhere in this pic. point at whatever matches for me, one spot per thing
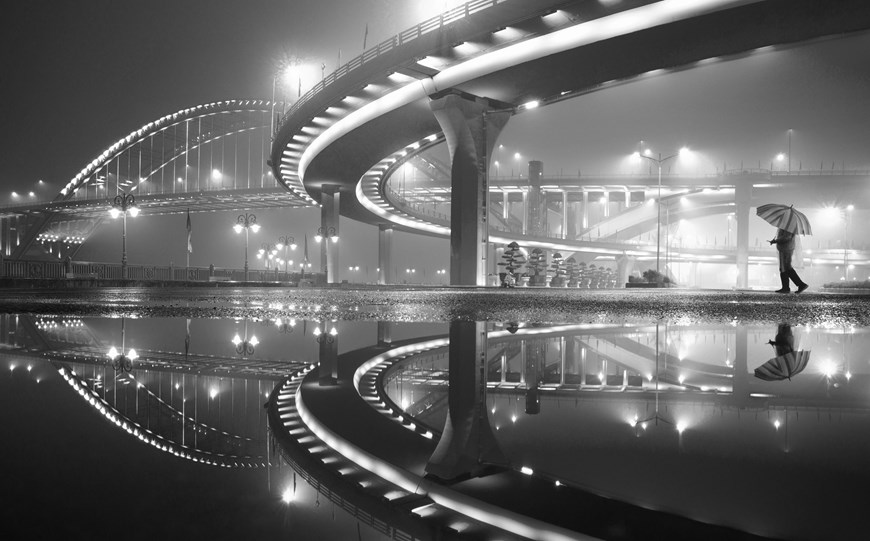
(123, 203)
(267, 252)
(659, 161)
(285, 241)
(246, 222)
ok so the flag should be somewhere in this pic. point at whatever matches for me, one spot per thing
(189, 230)
(365, 37)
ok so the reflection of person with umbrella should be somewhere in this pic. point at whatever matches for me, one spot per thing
(787, 362)
(789, 223)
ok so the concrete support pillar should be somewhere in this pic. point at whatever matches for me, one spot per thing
(585, 210)
(467, 445)
(471, 130)
(505, 209)
(742, 204)
(385, 255)
(537, 201)
(525, 213)
(624, 266)
(564, 214)
(330, 200)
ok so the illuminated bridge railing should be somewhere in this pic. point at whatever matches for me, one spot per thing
(425, 27)
(84, 270)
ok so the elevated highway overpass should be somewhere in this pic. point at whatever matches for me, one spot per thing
(461, 77)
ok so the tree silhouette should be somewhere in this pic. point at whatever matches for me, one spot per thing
(557, 265)
(537, 268)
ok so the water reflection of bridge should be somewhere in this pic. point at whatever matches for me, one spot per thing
(204, 408)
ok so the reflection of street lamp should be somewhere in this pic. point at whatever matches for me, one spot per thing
(656, 417)
(123, 203)
(328, 337)
(246, 222)
(285, 326)
(120, 361)
(245, 347)
(647, 154)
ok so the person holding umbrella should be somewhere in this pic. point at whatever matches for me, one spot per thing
(789, 224)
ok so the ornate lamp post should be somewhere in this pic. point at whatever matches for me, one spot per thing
(285, 241)
(246, 222)
(124, 202)
(328, 232)
(121, 361)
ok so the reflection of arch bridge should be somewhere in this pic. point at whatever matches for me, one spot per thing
(461, 76)
(203, 408)
(206, 158)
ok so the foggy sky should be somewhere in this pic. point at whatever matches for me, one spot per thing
(77, 76)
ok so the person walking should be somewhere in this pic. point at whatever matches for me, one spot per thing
(785, 245)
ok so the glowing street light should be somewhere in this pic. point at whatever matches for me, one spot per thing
(246, 222)
(122, 204)
(329, 232)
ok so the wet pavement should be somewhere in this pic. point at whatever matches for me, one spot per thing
(448, 304)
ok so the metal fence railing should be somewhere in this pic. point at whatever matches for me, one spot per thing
(60, 270)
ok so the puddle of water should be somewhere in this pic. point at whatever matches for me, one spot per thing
(709, 421)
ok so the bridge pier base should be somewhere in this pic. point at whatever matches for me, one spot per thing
(471, 129)
(467, 445)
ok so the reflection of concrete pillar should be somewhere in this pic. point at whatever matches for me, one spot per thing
(742, 202)
(385, 254)
(467, 444)
(533, 374)
(740, 381)
(328, 355)
(471, 131)
(385, 333)
(330, 200)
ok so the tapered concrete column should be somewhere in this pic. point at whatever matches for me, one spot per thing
(330, 200)
(585, 210)
(467, 444)
(505, 209)
(385, 254)
(537, 203)
(564, 214)
(742, 204)
(471, 130)
(525, 213)
(624, 266)
(573, 217)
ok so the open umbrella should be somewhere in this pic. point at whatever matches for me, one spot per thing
(783, 366)
(785, 217)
